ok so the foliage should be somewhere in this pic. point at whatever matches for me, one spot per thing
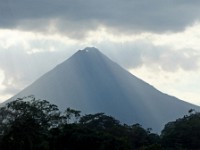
(71, 114)
(25, 124)
(75, 136)
(99, 121)
(30, 124)
(184, 133)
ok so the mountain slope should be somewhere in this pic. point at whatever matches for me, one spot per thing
(91, 82)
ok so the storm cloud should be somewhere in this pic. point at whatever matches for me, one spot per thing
(76, 18)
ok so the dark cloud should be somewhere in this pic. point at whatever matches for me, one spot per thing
(75, 18)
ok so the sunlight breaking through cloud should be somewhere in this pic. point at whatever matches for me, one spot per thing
(163, 54)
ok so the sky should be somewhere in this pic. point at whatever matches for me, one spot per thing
(158, 41)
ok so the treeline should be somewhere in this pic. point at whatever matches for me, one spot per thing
(30, 124)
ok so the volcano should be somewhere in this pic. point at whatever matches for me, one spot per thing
(90, 82)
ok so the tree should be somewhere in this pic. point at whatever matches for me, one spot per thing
(99, 120)
(72, 115)
(30, 124)
(184, 133)
(25, 122)
(93, 131)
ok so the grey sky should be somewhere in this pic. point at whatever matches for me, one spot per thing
(75, 18)
(149, 36)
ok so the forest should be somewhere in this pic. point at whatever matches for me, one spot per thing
(36, 124)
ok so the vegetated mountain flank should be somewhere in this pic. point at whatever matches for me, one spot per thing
(89, 81)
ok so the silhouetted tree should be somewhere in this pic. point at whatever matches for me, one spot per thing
(184, 133)
(30, 124)
(72, 115)
(99, 121)
(24, 123)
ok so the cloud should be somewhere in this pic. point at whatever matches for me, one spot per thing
(75, 18)
(182, 84)
(21, 68)
(143, 53)
(36, 35)
(26, 57)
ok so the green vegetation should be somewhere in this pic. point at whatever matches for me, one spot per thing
(184, 133)
(30, 124)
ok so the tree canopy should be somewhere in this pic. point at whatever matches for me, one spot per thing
(184, 133)
(30, 124)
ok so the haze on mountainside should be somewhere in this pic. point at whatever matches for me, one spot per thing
(90, 82)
